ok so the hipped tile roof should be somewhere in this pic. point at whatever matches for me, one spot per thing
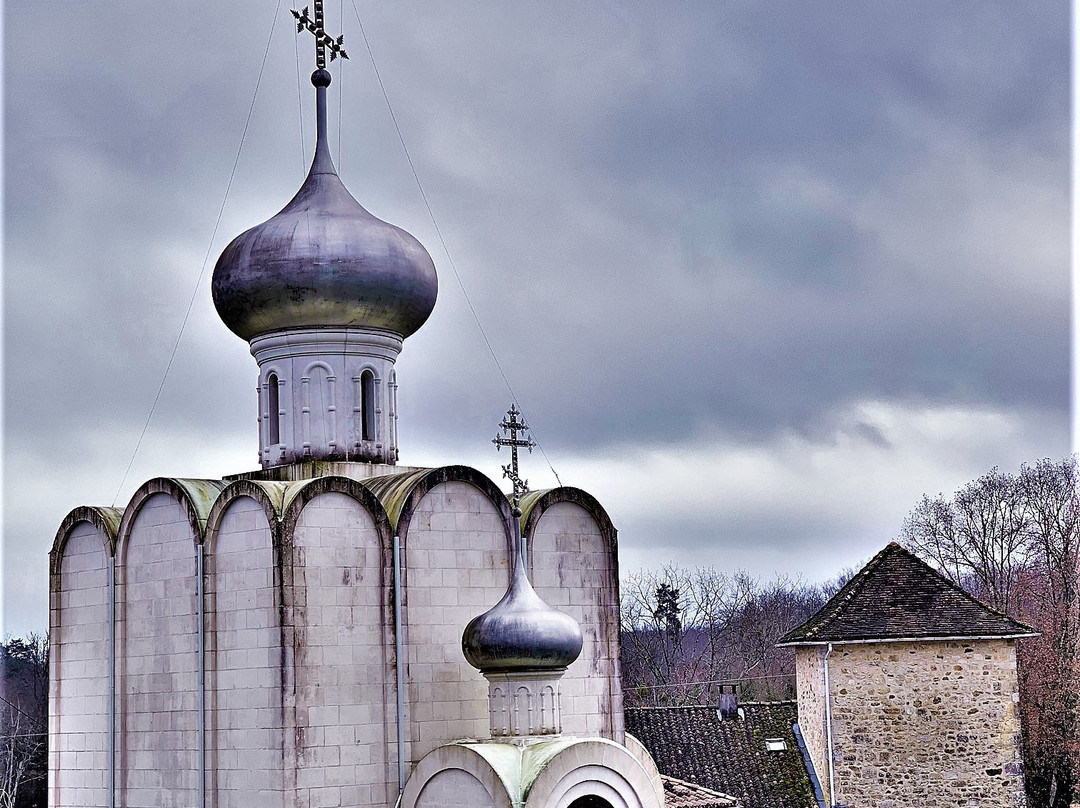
(693, 744)
(897, 596)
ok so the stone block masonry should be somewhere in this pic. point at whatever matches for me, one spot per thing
(916, 724)
(299, 690)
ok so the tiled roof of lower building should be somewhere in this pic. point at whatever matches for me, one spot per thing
(683, 794)
(897, 596)
(729, 756)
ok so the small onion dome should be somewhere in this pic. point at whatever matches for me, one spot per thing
(520, 633)
(324, 261)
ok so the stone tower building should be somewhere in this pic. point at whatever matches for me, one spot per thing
(292, 636)
(908, 692)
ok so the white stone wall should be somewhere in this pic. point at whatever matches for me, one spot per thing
(571, 568)
(300, 669)
(158, 663)
(321, 406)
(79, 656)
(243, 663)
(456, 567)
(455, 788)
(524, 703)
(346, 752)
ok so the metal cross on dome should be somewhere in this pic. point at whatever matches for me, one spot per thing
(514, 424)
(322, 39)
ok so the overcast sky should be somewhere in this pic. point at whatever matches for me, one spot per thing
(760, 273)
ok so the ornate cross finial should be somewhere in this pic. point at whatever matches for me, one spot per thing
(322, 39)
(514, 425)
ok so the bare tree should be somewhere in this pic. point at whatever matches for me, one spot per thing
(24, 721)
(1050, 673)
(978, 537)
(21, 747)
(1014, 542)
(685, 631)
(656, 614)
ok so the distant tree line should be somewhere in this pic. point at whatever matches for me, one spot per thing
(24, 709)
(1011, 540)
(686, 631)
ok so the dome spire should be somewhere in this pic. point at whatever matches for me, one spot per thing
(321, 78)
(325, 293)
(323, 162)
(521, 645)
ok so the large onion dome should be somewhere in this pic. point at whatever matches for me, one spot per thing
(521, 632)
(324, 261)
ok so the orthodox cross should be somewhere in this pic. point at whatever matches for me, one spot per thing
(322, 39)
(514, 424)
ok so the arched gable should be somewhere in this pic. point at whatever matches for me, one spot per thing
(535, 503)
(574, 566)
(456, 551)
(591, 767)
(157, 625)
(244, 662)
(79, 658)
(106, 520)
(297, 495)
(402, 493)
(269, 495)
(196, 496)
(447, 773)
(337, 636)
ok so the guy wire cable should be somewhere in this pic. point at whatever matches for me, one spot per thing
(206, 259)
(442, 241)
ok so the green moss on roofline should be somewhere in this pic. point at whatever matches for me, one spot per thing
(393, 491)
(201, 493)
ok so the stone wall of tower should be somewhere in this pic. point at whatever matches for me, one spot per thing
(920, 723)
(810, 682)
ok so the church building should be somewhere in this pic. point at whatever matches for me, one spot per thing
(335, 629)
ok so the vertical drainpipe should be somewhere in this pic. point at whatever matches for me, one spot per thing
(400, 666)
(828, 729)
(199, 593)
(111, 698)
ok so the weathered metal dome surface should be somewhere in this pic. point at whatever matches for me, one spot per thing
(324, 261)
(521, 632)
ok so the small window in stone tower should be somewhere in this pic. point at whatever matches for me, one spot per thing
(367, 405)
(273, 410)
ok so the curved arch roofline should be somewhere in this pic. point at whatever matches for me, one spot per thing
(535, 503)
(300, 494)
(106, 520)
(197, 497)
(401, 494)
(269, 495)
(392, 500)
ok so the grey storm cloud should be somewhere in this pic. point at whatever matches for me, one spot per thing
(675, 222)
